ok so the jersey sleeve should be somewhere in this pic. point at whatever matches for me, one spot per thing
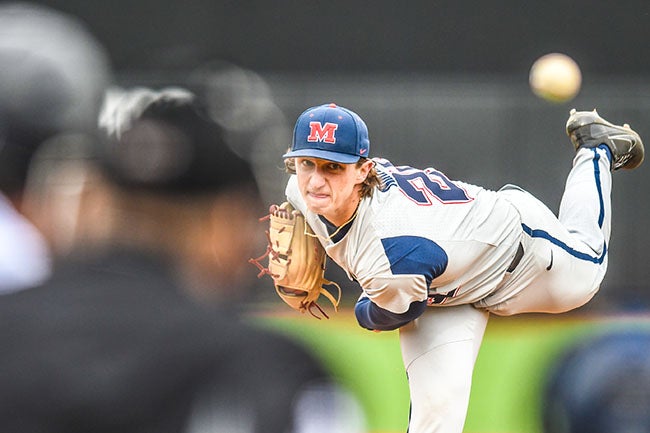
(400, 271)
(371, 316)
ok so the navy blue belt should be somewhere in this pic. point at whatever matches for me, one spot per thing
(518, 255)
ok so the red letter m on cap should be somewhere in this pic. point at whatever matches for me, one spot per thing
(318, 132)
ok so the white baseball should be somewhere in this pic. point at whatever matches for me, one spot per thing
(555, 77)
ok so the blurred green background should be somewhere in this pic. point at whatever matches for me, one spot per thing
(514, 363)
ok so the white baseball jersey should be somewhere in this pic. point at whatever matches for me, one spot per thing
(423, 237)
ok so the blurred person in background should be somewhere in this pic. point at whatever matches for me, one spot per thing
(241, 102)
(136, 331)
(53, 74)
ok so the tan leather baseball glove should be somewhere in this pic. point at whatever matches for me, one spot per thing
(296, 261)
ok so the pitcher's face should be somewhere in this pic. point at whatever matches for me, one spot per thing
(330, 189)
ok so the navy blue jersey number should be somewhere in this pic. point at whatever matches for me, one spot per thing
(421, 186)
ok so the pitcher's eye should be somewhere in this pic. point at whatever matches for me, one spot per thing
(334, 166)
(306, 162)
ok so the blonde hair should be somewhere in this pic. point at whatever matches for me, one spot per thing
(367, 186)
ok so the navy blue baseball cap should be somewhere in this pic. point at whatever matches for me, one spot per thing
(330, 132)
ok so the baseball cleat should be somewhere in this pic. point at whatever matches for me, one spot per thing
(588, 129)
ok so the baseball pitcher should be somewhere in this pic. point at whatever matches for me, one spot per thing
(435, 256)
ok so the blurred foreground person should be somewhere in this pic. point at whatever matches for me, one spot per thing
(53, 74)
(130, 334)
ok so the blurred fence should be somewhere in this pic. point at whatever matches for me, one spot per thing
(488, 130)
